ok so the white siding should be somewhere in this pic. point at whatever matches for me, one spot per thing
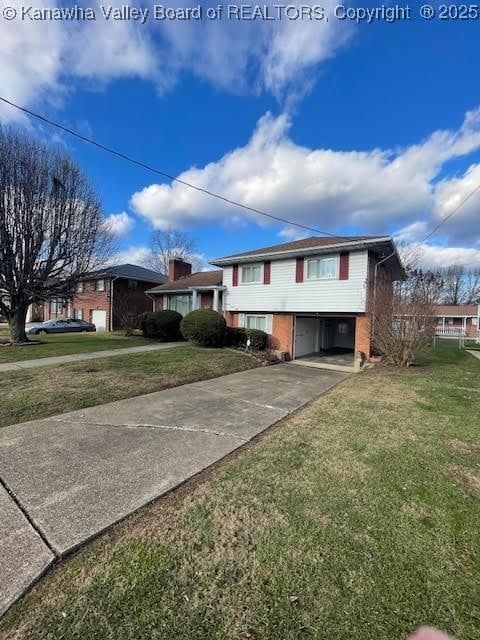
(284, 294)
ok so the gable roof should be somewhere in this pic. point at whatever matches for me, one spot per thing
(132, 271)
(308, 245)
(198, 279)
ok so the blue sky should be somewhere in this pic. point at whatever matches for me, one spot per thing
(369, 128)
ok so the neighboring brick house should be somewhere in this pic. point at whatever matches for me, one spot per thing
(106, 296)
(458, 320)
(312, 296)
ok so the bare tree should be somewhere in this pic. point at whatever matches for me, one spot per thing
(170, 244)
(52, 232)
(461, 284)
(404, 318)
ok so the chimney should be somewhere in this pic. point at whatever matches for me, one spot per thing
(177, 268)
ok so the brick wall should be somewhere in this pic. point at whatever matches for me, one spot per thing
(90, 300)
(363, 335)
(282, 333)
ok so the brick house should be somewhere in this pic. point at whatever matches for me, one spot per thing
(106, 296)
(312, 296)
(458, 320)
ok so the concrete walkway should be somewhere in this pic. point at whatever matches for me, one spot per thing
(67, 478)
(475, 354)
(78, 357)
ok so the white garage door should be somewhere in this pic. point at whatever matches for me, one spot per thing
(99, 319)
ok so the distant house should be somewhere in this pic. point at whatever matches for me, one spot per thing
(312, 296)
(104, 297)
(457, 320)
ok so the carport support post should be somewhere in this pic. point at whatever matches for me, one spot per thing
(215, 299)
(194, 299)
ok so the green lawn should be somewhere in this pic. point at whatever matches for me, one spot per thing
(38, 393)
(356, 518)
(65, 344)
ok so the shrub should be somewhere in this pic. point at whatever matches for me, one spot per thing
(258, 339)
(205, 327)
(236, 337)
(161, 325)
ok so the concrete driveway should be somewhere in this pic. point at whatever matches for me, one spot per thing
(66, 478)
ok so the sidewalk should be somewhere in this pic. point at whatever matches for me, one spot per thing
(78, 357)
(66, 478)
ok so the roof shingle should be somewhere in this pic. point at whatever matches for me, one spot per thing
(198, 279)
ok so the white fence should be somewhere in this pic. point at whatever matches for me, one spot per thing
(452, 332)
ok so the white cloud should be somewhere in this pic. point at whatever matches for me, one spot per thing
(372, 191)
(119, 224)
(450, 193)
(139, 255)
(39, 59)
(438, 256)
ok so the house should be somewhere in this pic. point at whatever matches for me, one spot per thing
(312, 296)
(458, 320)
(105, 297)
(185, 291)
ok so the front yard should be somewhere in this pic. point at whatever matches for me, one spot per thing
(64, 344)
(38, 393)
(355, 518)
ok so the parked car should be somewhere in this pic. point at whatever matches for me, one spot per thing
(60, 325)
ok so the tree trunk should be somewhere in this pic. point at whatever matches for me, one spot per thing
(17, 324)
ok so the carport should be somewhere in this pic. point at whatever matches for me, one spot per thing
(325, 341)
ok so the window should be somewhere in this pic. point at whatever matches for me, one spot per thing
(78, 314)
(100, 285)
(322, 268)
(79, 287)
(180, 303)
(56, 305)
(251, 273)
(256, 322)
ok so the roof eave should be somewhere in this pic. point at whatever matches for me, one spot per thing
(272, 255)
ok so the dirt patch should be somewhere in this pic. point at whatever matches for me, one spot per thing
(459, 445)
(470, 480)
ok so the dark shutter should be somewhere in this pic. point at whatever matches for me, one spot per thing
(299, 270)
(235, 275)
(266, 272)
(344, 265)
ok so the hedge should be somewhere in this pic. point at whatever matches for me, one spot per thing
(204, 327)
(238, 336)
(161, 325)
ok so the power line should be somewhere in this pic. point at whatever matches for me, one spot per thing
(139, 163)
(442, 222)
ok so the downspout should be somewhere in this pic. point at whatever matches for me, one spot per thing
(110, 319)
(390, 255)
